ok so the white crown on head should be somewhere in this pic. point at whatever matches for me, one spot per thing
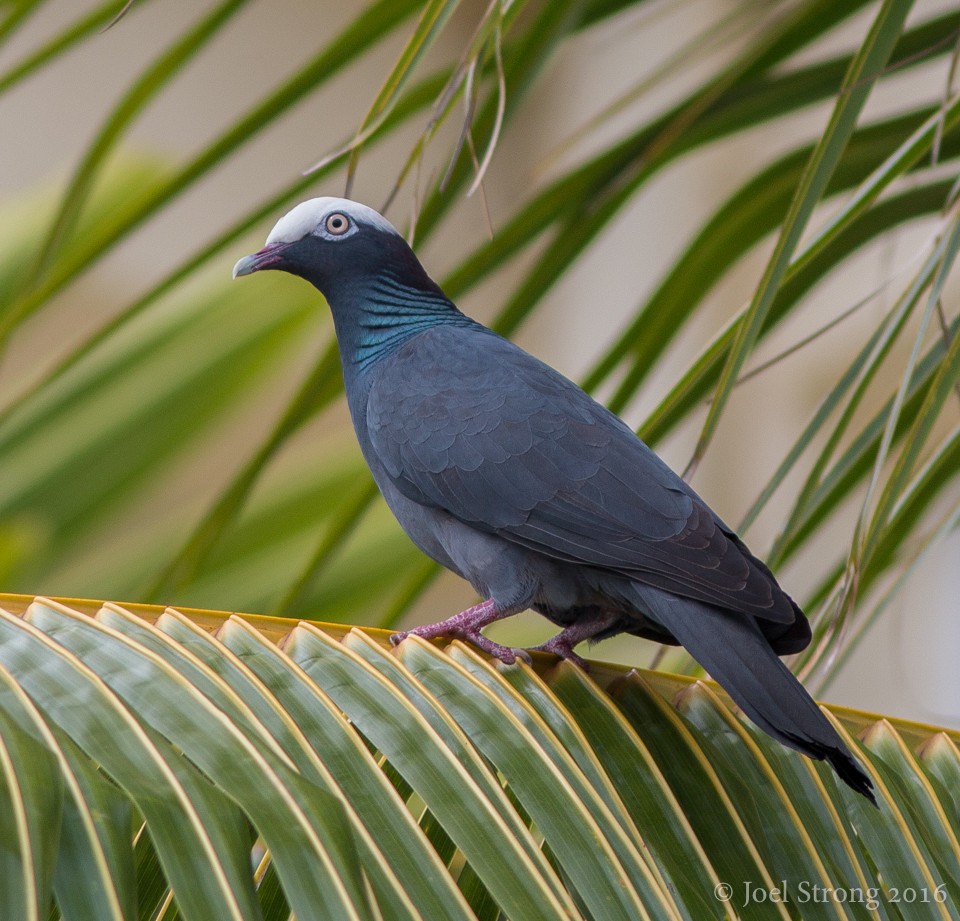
(306, 217)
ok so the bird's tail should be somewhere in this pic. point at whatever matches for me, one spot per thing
(738, 657)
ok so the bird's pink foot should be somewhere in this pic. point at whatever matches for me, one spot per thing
(562, 644)
(467, 626)
(561, 647)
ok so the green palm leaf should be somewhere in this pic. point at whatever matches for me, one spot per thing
(428, 783)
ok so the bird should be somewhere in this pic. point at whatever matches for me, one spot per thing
(506, 472)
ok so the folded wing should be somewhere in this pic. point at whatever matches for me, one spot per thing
(505, 443)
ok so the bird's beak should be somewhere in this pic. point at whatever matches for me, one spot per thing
(266, 258)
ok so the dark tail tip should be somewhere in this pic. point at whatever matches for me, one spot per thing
(850, 772)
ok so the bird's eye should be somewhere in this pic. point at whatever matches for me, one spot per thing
(337, 224)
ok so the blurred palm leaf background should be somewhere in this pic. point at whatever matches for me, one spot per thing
(169, 436)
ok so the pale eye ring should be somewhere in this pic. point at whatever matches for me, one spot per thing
(337, 224)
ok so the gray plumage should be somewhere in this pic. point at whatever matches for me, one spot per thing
(507, 473)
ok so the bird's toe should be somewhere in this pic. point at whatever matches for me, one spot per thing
(505, 654)
(563, 650)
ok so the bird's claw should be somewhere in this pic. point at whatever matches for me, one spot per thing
(557, 647)
(505, 654)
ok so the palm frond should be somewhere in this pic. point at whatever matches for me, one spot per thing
(244, 767)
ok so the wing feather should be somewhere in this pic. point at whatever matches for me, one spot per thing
(505, 443)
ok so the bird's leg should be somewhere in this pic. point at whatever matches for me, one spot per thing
(467, 626)
(562, 644)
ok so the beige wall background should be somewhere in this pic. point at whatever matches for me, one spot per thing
(908, 665)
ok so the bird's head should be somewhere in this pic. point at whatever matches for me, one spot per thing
(336, 244)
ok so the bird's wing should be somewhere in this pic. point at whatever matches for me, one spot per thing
(465, 421)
